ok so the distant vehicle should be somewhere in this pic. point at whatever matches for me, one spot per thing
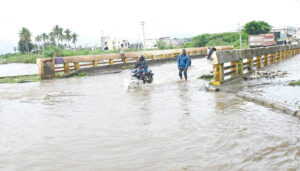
(261, 40)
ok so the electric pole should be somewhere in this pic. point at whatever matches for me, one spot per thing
(240, 36)
(143, 24)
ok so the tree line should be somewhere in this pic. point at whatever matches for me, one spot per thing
(58, 37)
(230, 38)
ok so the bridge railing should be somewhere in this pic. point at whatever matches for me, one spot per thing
(231, 64)
(49, 66)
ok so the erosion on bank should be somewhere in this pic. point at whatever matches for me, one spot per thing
(20, 79)
(33, 78)
(295, 83)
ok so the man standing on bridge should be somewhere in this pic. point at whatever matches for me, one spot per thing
(183, 64)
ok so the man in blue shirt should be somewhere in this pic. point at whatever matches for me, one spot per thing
(183, 64)
(142, 66)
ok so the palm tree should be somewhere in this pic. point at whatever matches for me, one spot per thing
(74, 39)
(57, 33)
(45, 37)
(25, 35)
(52, 38)
(68, 36)
(38, 39)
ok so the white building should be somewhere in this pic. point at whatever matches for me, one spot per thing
(151, 43)
(172, 41)
(113, 44)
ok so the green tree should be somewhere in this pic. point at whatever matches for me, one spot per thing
(57, 33)
(74, 39)
(161, 44)
(68, 36)
(24, 47)
(38, 39)
(25, 36)
(257, 27)
(45, 38)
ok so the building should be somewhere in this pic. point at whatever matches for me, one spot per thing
(113, 44)
(172, 41)
(151, 43)
(286, 34)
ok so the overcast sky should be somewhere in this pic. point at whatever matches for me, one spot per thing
(121, 18)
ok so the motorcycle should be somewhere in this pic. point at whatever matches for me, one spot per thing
(138, 75)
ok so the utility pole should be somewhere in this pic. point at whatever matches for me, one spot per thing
(143, 24)
(240, 36)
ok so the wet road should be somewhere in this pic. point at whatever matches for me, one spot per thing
(97, 123)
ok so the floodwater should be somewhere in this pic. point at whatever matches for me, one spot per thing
(17, 69)
(97, 123)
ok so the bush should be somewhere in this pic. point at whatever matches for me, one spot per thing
(53, 51)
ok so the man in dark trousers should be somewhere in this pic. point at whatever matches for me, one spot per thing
(183, 62)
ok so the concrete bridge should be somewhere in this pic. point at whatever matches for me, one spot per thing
(230, 64)
(49, 66)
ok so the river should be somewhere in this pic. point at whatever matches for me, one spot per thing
(97, 123)
(17, 69)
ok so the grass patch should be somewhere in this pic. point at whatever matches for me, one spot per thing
(20, 79)
(295, 83)
(207, 77)
(81, 74)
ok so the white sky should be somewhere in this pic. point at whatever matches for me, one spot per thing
(120, 18)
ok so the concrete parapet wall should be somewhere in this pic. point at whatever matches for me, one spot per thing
(255, 58)
(74, 63)
(234, 55)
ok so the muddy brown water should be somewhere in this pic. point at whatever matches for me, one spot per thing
(97, 123)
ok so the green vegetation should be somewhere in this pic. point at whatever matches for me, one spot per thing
(20, 79)
(230, 38)
(218, 39)
(207, 77)
(20, 58)
(81, 74)
(295, 83)
(256, 27)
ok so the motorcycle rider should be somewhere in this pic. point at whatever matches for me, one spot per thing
(142, 66)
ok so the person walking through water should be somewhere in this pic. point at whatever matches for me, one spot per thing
(183, 64)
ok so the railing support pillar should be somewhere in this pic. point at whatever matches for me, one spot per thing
(258, 60)
(234, 69)
(277, 56)
(265, 60)
(152, 57)
(250, 64)
(76, 66)
(95, 63)
(111, 61)
(66, 68)
(240, 67)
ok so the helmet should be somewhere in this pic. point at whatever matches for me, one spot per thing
(142, 57)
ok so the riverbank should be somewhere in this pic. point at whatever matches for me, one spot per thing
(31, 57)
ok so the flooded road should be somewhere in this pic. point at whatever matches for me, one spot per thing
(97, 123)
(17, 69)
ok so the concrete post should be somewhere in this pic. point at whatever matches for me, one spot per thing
(234, 69)
(66, 68)
(277, 56)
(46, 67)
(152, 57)
(240, 67)
(95, 63)
(265, 60)
(250, 64)
(76, 66)
(258, 60)
(111, 61)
